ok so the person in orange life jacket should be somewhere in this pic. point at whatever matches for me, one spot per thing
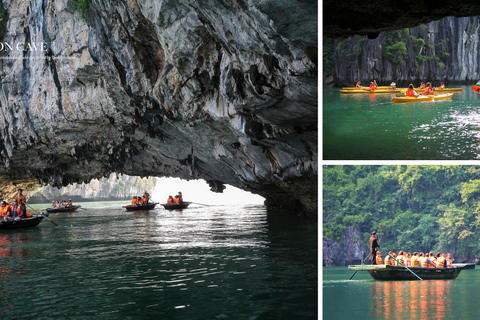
(17, 210)
(449, 261)
(144, 200)
(428, 89)
(5, 211)
(389, 261)
(410, 92)
(422, 260)
(409, 259)
(134, 200)
(401, 259)
(139, 201)
(414, 262)
(422, 86)
(177, 199)
(372, 86)
(22, 200)
(442, 86)
(358, 85)
(170, 199)
(430, 261)
(147, 197)
(379, 258)
(441, 260)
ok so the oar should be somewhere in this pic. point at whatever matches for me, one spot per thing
(56, 225)
(357, 270)
(208, 205)
(404, 265)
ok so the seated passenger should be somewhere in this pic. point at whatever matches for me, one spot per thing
(17, 210)
(54, 205)
(358, 85)
(414, 261)
(139, 201)
(428, 89)
(176, 200)
(372, 86)
(134, 200)
(410, 92)
(378, 258)
(442, 86)
(422, 86)
(70, 203)
(170, 199)
(449, 261)
(441, 261)
(6, 211)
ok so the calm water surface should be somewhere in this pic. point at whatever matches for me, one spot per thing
(201, 263)
(369, 126)
(364, 298)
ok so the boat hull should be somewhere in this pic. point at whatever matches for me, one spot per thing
(422, 98)
(389, 273)
(58, 210)
(149, 206)
(21, 224)
(174, 206)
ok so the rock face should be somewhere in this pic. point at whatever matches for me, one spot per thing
(111, 188)
(440, 51)
(349, 18)
(349, 252)
(224, 91)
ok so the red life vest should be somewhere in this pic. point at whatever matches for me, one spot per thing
(428, 91)
(409, 93)
(5, 210)
(372, 87)
(134, 201)
(170, 200)
(176, 200)
(442, 86)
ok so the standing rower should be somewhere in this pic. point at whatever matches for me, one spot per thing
(373, 246)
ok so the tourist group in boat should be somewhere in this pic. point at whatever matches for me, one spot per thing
(177, 200)
(410, 92)
(17, 210)
(59, 204)
(406, 259)
(141, 201)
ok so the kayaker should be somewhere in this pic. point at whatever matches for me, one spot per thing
(22, 200)
(422, 86)
(372, 86)
(373, 246)
(442, 86)
(379, 258)
(410, 92)
(358, 85)
(393, 85)
(170, 199)
(6, 211)
(428, 89)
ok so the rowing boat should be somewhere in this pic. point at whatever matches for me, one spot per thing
(432, 97)
(22, 223)
(384, 272)
(58, 210)
(134, 207)
(176, 206)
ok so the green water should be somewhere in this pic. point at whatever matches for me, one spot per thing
(220, 262)
(364, 298)
(370, 127)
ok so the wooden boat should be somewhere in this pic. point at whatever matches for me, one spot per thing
(134, 207)
(383, 272)
(432, 97)
(368, 91)
(57, 210)
(176, 206)
(22, 223)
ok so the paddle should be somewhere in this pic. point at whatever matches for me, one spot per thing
(362, 264)
(56, 225)
(404, 265)
(208, 205)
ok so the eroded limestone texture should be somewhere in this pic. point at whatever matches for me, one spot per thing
(224, 91)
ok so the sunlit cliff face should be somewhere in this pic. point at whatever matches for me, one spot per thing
(221, 91)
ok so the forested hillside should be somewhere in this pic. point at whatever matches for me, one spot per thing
(413, 208)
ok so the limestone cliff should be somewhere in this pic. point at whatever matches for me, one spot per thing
(224, 91)
(440, 51)
(351, 251)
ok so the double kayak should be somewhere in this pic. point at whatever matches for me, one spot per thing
(176, 206)
(367, 88)
(58, 210)
(368, 91)
(432, 97)
(436, 90)
(22, 223)
(134, 207)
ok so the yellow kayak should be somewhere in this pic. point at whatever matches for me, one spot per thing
(433, 97)
(366, 88)
(436, 90)
(368, 91)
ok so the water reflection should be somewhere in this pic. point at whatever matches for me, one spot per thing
(411, 299)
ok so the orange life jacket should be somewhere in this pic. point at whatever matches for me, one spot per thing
(134, 201)
(442, 86)
(176, 200)
(379, 260)
(441, 262)
(430, 264)
(170, 200)
(449, 263)
(372, 87)
(388, 261)
(428, 91)
(358, 86)
(409, 93)
(5, 210)
(415, 262)
(423, 262)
